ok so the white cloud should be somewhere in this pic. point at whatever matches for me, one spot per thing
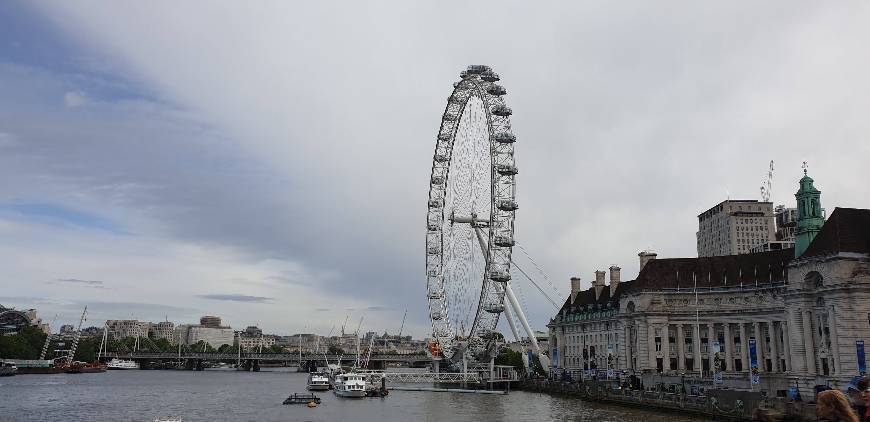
(74, 99)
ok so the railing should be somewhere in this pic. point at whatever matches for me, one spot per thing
(259, 356)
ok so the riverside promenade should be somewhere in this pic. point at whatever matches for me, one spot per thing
(716, 404)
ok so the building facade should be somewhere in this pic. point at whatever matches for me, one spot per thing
(123, 328)
(734, 227)
(162, 330)
(800, 317)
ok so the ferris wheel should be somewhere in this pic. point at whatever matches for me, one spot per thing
(470, 220)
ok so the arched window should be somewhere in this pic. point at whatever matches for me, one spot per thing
(630, 307)
(813, 280)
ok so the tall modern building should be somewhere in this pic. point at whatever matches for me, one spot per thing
(734, 227)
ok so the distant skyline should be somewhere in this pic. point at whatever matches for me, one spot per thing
(269, 163)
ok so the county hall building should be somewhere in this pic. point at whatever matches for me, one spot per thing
(806, 311)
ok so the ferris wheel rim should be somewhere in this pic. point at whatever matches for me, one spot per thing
(477, 81)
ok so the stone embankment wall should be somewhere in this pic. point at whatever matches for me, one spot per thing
(716, 404)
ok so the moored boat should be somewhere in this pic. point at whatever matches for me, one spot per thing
(7, 369)
(116, 363)
(36, 366)
(351, 385)
(318, 381)
(85, 368)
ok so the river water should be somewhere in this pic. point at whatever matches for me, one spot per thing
(222, 395)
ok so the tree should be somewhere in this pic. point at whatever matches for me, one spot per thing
(26, 344)
(334, 350)
(511, 358)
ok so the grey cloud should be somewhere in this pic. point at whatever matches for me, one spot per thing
(376, 308)
(96, 284)
(238, 298)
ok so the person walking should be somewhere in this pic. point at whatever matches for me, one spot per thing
(833, 406)
(862, 404)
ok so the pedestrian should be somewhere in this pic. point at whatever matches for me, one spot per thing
(863, 403)
(833, 406)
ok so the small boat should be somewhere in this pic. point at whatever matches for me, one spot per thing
(297, 398)
(116, 363)
(85, 368)
(7, 369)
(350, 385)
(318, 381)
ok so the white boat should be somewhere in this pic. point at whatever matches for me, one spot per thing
(350, 385)
(7, 369)
(116, 363)
(318, 381)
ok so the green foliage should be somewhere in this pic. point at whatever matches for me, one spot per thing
(227, 348)
(334, 350)
(27, 344)
(87, 349)
(512, 358)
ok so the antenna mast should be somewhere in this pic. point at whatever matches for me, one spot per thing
(767, 185)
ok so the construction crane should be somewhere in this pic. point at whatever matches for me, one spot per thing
(75, 345)
(767, 185)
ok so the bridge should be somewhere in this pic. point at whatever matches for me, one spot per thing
(195, 360)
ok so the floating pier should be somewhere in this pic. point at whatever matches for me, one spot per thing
(450, 390)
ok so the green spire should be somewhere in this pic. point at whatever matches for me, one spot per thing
(809, 220)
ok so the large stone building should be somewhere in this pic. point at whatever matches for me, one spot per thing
(124, 328)
(805, 312)
(209, 331)
(735, 226)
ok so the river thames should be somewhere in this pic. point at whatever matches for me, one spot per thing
(215, 395)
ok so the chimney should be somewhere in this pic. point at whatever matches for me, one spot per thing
(614, 278)
(575, 287)
(599, 283)
(645, 257)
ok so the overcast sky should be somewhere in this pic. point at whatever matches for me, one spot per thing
(269, 162)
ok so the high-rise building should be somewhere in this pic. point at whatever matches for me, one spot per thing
(734, 227)
(210, 321)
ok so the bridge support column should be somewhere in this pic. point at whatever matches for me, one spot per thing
(256, 366)
(199, 366)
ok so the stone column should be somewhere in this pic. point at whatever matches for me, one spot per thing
(835, 344)
(729, 343)
(786, 346)
(759, 351)
(642, 351)
(809, 344)
(666, 347)
(652, 346)
(711, 337)
(744, 348)
(626, 347)
(696, 350)
(774, 346)
(681, 348)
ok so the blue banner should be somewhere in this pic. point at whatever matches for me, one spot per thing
(753, 362)
(862, 361)
(555, 357)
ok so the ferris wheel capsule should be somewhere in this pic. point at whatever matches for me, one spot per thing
(506, 170)
(505, 138)
(502, 110)
(496, 90)
(489, 76)
(508, 205)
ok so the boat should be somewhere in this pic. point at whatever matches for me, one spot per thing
(297, 398)
(37, 366)
(85, 368)
(116, 363)
(318, 381)
(349, 384)
(7, 369)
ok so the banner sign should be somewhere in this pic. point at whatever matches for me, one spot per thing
(555, 357)
(717, 363)
(753, 362)
(862, 361)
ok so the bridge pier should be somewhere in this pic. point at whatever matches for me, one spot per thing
(198, 366)
(256, 366)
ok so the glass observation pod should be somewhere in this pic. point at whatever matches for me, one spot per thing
(507, 205)
(494, 308)
(463, 74)
(438, 180)
(478, 68)
(489, 76)
(500, 276)
(496, 90)
(505, 138)
(506, 170)
(504, 241)
(502, 110)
